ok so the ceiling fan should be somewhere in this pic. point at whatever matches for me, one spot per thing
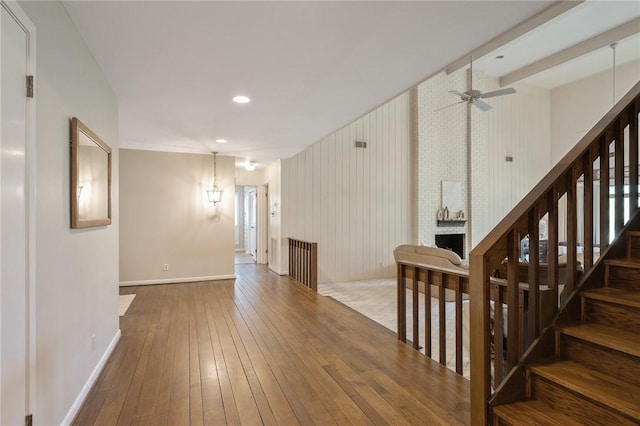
(476, 97)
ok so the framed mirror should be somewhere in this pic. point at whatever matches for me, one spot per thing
(90, 178)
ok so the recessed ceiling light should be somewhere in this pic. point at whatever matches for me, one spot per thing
(241, 99)
(222, 140)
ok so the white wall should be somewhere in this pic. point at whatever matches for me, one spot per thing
(277, 244)
(518, 126)
(575, 108)
(253, 178)
(452, 148)
(77, 270)
(442, 152)
(578, 106)
(355, 203)
(239, 227)
(166, 218)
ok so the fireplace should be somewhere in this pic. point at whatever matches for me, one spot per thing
(453, 242)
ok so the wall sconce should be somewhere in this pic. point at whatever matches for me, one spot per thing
(215, 193)
(250, 166)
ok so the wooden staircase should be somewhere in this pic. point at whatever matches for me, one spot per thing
(594, 377)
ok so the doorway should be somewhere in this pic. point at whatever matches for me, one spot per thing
(17, 221)
(245, 224)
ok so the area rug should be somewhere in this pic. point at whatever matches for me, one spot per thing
(124, 300)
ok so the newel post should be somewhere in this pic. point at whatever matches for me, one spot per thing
(479, 295)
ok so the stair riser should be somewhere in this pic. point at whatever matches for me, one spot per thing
(613, 363)
(634, 248)
(598, 311)
(576, 406)
(621, 277)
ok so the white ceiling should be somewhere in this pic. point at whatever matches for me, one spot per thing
(585, 21)
(309, 67)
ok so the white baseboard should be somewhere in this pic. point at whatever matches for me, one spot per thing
(73, 411)
(178, 280)
(277, 271)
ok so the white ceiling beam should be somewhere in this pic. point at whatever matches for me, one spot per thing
(513, 33)
(601, 40)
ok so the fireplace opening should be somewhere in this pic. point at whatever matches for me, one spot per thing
(453, 242)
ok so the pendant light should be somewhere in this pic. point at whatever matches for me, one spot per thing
(215, 193)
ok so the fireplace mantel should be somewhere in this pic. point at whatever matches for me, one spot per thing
(451, 222)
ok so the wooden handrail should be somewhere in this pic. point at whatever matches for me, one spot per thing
(503, 242)
(303, 262)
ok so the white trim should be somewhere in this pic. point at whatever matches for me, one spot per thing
(261, 225)
(277, 271)
(73, 411)
(30, 180)
(178, 280)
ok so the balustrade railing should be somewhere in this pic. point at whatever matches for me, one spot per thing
(426, 281)
(443, 280)
(303, 262)
(583, 202)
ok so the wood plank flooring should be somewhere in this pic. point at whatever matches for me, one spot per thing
(263, 350)
(376, 299)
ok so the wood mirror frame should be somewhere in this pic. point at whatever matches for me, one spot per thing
(90, 178)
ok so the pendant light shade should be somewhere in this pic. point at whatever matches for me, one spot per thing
(215, 193)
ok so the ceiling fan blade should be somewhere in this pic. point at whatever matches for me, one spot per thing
(481, 104)
(463, 96)
(449, 106)
(506, 91)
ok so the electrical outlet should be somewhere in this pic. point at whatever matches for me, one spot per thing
(93, 342)
(165, 267)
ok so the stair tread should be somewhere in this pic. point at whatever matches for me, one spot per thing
(625, 261)
(599, 387)
(633, 233)
(604, 335)
(615, 295)
(533, 412)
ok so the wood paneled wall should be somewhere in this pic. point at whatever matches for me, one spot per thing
(354, 202)
(519, 126)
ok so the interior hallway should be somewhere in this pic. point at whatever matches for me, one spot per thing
(262, 350)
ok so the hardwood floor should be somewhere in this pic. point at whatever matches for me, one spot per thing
(262, 350)
(376, 299)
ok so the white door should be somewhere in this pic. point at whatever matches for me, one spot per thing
(251, 217)
(266, 232)
(16, 112)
